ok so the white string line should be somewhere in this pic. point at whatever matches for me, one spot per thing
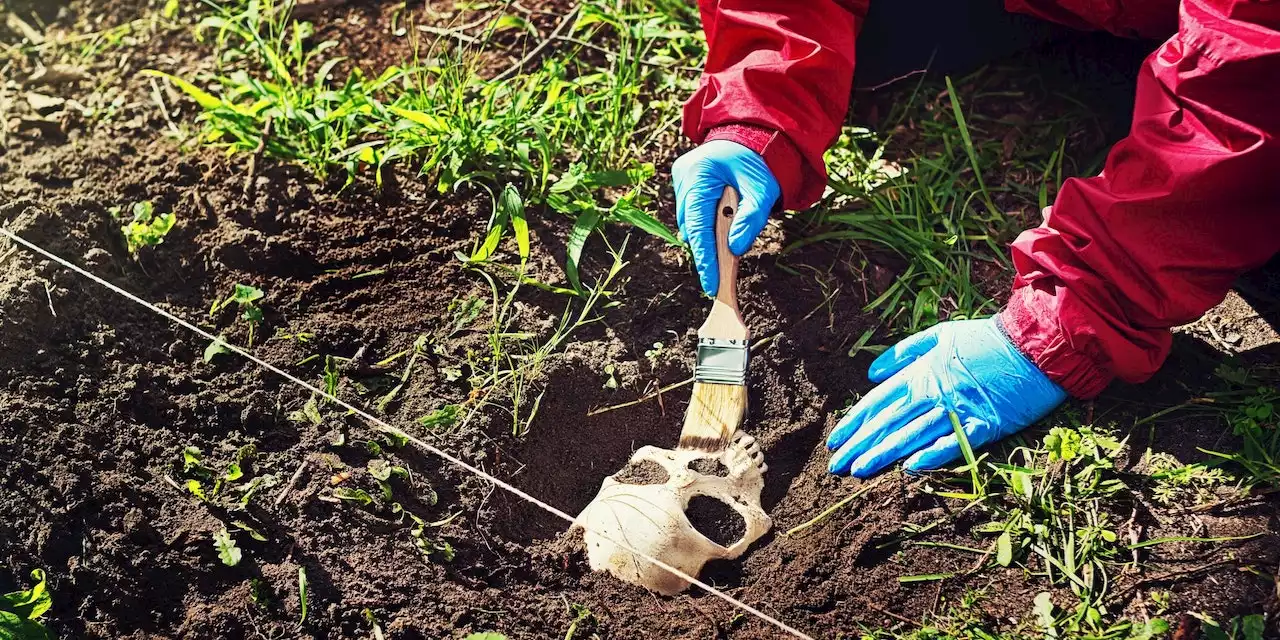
(387, 428)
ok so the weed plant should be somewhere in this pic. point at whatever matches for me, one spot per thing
(567, 134)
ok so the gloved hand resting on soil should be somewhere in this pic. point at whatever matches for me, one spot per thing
(965, 366)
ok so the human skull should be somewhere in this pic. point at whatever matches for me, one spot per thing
(651, 517)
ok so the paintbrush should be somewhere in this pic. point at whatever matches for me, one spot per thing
(719, 401)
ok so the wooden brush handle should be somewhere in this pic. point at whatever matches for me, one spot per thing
(725, 320)
(728, 263)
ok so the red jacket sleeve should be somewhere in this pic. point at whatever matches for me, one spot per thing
(1185, 204)
(1132, 18)
(777, 80)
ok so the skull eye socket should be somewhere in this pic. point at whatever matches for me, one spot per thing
(716, 520)
(709, 467)
(642, 472)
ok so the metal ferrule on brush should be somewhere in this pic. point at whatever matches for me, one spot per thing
(721, 361)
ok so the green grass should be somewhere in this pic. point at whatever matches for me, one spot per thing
(569, 135)
(1251, 406)
(937, 195)
(508, 374)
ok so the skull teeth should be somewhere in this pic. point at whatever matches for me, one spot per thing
(748, 445)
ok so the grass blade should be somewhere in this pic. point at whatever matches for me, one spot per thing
(582, 228)
(203, 98)
(1156, 541)
(510, 204)
(967, 451)
(302, 595)
(968, 147)
(924, 577)
(832, 509)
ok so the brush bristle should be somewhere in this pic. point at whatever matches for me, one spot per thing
(714, 415)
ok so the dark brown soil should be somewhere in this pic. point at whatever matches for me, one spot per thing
(716, 520)
(709, 467)
(643, 472)
(99, 397)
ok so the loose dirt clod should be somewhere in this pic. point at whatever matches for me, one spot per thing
(710, 467)
(647, 472)
(716, 520)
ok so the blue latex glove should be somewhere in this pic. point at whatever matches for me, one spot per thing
(700, 177)
(968, 366)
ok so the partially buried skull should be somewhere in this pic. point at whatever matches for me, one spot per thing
(652, 518)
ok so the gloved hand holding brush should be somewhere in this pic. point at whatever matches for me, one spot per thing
(700, 177)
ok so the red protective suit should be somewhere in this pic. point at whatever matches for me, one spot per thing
(1185, 204)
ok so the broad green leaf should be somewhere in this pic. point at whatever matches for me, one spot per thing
(1043, 608)
(501, 216)
(228, 552)
(1004, 549)
(30, 604)
(202, 97)
(441, 418)
(197, 489)
(359, 496)
(216, 347)
(1252, 627)
(570, 179)
(15, 627)
(582, 228)
(244, 294)
(1063, 443)
(626, 211)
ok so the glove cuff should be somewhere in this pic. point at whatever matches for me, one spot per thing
(784, 160)
(1030, 324)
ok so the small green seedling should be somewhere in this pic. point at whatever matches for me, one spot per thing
(358, 496)
(207, 485)
(373, 625)
(260, 593)
(464, 312)
(441, 418)
(1250, 627)
(21, 611)
(302, 595)
(145, 228)
(428, 546)
(653, 354)
(331, 378)
(247, 298)
(382, 471)
(228, 552)
(1162, 600)
(581, 616)
(309, 413)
